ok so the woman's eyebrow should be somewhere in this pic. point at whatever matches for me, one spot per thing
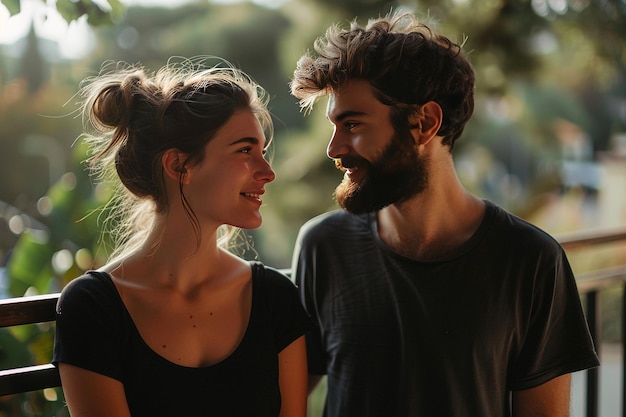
(249, 139)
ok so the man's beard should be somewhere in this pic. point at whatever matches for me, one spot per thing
(396, 175)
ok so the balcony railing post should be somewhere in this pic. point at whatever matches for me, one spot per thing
(592, 374)
(623, 402)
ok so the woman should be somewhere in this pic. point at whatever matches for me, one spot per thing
(174, 324)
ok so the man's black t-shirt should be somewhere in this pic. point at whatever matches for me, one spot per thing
(447, 338)
(96, 332)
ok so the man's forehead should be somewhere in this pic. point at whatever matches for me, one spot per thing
(355, 97)
(330, 105)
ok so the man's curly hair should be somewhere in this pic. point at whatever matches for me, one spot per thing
(406, 62)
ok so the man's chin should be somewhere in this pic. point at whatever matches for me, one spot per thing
(356, 202)
(358, 208)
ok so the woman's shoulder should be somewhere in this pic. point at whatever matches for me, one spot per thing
(91, 280)
(271, 273)
(275, 280)
(280, 294)
(92, 286)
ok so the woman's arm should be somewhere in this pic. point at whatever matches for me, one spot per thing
(292, 376)
(89, 394)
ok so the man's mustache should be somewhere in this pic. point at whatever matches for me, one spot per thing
(351, 161)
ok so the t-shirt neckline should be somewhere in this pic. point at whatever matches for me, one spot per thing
(483, 227)
(223, 362)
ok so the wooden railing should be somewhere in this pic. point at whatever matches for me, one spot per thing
(36, 309)
(20, 311)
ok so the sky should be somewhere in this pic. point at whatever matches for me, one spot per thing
(74, 39)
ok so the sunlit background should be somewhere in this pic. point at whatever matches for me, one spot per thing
(548, 140)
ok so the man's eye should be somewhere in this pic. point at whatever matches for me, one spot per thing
(245, 150)
(351, 125)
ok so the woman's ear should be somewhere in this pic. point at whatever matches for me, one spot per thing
(426, 122)
(173, 161)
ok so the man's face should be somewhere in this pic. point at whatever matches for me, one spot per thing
(382, 166)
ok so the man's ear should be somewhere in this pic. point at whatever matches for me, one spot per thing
(173, 161)
(426, 122)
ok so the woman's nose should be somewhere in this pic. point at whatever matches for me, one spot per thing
(265, 172)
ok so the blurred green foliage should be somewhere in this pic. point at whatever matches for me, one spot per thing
(97, 12)
(541, 71)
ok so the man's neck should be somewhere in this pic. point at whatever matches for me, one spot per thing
(431, 225)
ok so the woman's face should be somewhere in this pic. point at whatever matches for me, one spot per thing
(227, 186)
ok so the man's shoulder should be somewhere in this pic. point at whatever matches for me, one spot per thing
(334, 219)
(333, 224)
(514, 228)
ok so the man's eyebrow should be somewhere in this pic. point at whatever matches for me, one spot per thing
(344, 115)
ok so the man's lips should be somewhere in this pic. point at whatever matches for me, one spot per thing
(338, 165)
(351, 168)
(351, 165)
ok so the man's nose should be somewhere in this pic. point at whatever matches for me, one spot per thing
(338, 145)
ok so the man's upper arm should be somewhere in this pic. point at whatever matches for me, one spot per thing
(550, 399)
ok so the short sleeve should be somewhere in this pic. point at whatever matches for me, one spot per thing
(558, 340)
(288, 316)
(304, 279)
(88, 332)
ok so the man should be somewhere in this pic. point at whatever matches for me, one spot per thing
(428, 301)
